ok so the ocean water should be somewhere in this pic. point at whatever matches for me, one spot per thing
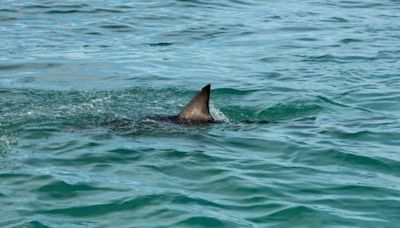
(308, 92)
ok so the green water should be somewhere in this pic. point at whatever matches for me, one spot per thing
(308, 93)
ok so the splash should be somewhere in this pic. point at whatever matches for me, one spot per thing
(218, 114)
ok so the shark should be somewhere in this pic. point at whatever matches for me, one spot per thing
(197, 111)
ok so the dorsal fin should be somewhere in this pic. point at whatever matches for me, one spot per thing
(197, 110)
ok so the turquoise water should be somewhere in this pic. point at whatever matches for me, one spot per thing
(309, 92)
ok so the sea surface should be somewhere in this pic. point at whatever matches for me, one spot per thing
(308, 93)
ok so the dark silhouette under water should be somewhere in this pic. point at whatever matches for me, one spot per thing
(196, 112)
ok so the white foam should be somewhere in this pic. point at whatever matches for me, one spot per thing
(218, 114)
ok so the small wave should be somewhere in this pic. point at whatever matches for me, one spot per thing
(336, 20)
(350, 40)
(357, 160)
(194, 221)
(230, 91)
(339, 59)
(213, 5)
(361, 5)
(47, 6)
(161, 44)
(285, 212)
(115, 205)
(6, 19)
(61, 189)
(30, 65)
(23, 223)
(290, 110)
(105, 10)
(300, 29)
(118, 27)
(65, 11)
(8, 10)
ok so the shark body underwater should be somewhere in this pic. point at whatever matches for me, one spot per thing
(196, 112)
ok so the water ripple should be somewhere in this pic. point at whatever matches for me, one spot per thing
(307, 93)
